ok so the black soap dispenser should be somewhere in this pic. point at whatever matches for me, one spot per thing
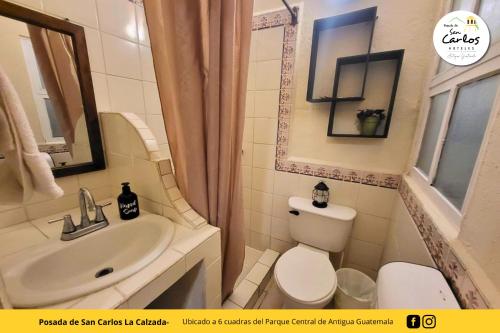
(128, 205)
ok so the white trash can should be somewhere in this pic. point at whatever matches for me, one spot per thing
(355, 290)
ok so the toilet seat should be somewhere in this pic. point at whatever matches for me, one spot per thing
(306, 275)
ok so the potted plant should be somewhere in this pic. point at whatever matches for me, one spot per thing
(369, 120)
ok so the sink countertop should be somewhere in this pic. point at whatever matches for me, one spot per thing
(187, 248)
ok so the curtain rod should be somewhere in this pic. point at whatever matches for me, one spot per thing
(293, 12)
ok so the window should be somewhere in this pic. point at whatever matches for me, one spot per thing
(429, 141)
(460, 107)
(463, 139)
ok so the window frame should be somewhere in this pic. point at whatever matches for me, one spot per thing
(452, 80)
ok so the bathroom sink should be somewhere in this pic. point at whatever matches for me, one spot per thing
(59, 271)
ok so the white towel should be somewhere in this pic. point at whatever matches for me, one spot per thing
(23, 170)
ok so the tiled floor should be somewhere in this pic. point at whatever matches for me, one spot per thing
(257, 272)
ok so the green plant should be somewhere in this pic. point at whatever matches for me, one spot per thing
(364, 114)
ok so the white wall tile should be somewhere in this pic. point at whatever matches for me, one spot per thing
(94, 48)
(260, 223)
(270, 43)
(280, 229)
(121, 57)
(142, 27)
(248, 130)
(286, 183)
(280, 206)
(266, 103)
(147, 67)
(265, 130)
(125, 95)
(262, 180)
(281, 246)
(264, 156)
(375, 200)
(117, 17)
(404, 242)
(79, 11)
(246, 172)
(262, 202)
(157, 126)
(101, 91)
(36, 4)
(364, 254)
(370, 228)
(250, 104)
(268, 75)
(151, 98)
(259, 241)
(247, 154)
(344, 193)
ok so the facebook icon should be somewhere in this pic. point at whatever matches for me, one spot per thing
(413, 321)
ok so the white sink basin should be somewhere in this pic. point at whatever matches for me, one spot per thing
(59, 271)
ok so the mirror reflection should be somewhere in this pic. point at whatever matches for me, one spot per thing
(41, 64)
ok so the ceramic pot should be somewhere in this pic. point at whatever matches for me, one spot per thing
(369, 126)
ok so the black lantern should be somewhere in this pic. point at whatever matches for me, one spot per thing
(320, 195)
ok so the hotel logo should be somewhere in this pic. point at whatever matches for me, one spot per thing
(461, 38)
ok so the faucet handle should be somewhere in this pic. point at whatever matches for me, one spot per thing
(99, 214)
(68, 227)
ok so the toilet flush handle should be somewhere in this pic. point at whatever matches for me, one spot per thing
(294, 212)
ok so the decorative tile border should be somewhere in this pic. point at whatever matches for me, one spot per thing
(282, 163)
(445, 258)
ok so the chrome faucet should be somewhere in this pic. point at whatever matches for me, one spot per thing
(71, 231)
(87, 204)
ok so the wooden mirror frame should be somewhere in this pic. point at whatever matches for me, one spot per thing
(77, 34)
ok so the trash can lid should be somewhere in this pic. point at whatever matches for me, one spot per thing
(305, 275)
(401, 285)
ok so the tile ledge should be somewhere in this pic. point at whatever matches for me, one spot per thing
(479, 278)
(445, 227)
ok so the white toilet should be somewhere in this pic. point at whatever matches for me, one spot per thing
(307, 279)
(304, 274)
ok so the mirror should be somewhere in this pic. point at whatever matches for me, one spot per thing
(46, 60)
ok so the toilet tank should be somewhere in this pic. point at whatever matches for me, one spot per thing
(324, 228)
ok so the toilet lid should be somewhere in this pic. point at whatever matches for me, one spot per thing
(305, 275)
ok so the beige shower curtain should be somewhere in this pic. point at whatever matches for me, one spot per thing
(56, 61)
(201, 52)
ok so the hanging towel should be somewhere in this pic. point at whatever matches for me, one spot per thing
(23, 170)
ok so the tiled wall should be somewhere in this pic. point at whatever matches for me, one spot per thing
(266, 190)
(123, 78)
(133, 155)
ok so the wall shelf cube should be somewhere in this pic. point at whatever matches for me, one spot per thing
(335, 37)
(382, 79)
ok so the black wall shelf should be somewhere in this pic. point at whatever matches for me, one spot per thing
(361, 16)
(397, 56)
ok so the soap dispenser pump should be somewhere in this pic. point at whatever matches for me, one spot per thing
(128, 205)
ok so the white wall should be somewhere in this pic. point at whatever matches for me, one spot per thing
(404, 242)
(397, 27)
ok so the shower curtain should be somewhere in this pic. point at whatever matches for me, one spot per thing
(201, 52)
(56, 60)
